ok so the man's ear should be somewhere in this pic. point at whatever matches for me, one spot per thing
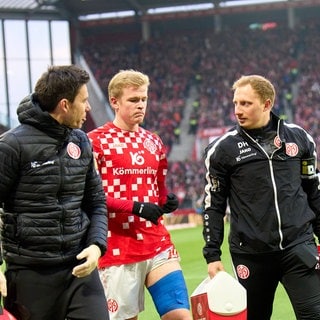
(63, 105)
(268, 105)
(113, 102)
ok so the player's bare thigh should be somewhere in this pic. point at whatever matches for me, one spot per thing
(161, 271)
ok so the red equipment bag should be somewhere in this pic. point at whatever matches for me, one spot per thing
(6, 315)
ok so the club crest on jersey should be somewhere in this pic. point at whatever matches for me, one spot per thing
(73, 150)
(150, 146)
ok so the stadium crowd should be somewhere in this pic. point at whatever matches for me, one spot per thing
(210, 62)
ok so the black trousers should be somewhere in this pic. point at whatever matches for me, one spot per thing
(260, 274)
(51, 294)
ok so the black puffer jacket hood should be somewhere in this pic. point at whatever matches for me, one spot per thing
(29, 112)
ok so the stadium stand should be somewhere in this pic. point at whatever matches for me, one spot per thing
(209, 63)
(192, 68)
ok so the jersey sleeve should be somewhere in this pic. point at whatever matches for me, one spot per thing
(119, 205)
(161, 176)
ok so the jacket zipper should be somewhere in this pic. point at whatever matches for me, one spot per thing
(273, 184)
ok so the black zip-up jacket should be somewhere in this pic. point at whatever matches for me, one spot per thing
(53, 203)
(268, 178)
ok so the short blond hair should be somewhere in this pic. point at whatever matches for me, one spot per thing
(261, 85)
(124, 79)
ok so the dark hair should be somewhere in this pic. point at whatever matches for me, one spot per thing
(59, 82)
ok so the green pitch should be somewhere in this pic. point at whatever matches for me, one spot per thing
(189, 243)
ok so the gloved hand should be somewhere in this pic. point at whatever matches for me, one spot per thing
(149, 211)
(171, 204)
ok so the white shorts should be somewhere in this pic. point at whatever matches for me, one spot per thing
(124, 285)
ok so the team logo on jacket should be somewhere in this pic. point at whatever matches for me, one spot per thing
(292, 148)
(277, 142)
(73, 150)
(243, 271)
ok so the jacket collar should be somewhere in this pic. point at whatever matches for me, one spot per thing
(275, 124)
(29, 112)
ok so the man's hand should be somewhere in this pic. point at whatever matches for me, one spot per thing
(3, 284)
(90, 256)
(214, 268)
(171, 204)
(149, 211)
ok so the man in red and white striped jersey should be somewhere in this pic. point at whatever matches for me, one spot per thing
(133, 166)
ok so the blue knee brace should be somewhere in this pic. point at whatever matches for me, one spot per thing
(170, 293)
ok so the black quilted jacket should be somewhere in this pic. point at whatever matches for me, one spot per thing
(52, 198)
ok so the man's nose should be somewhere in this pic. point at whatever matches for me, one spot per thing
(237, 109)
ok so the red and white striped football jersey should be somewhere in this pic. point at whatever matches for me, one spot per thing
(133, 166)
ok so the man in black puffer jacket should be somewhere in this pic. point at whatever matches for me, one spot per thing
(54, 222)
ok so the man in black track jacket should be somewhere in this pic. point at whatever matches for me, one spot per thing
(53, 205)
(265, 169)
